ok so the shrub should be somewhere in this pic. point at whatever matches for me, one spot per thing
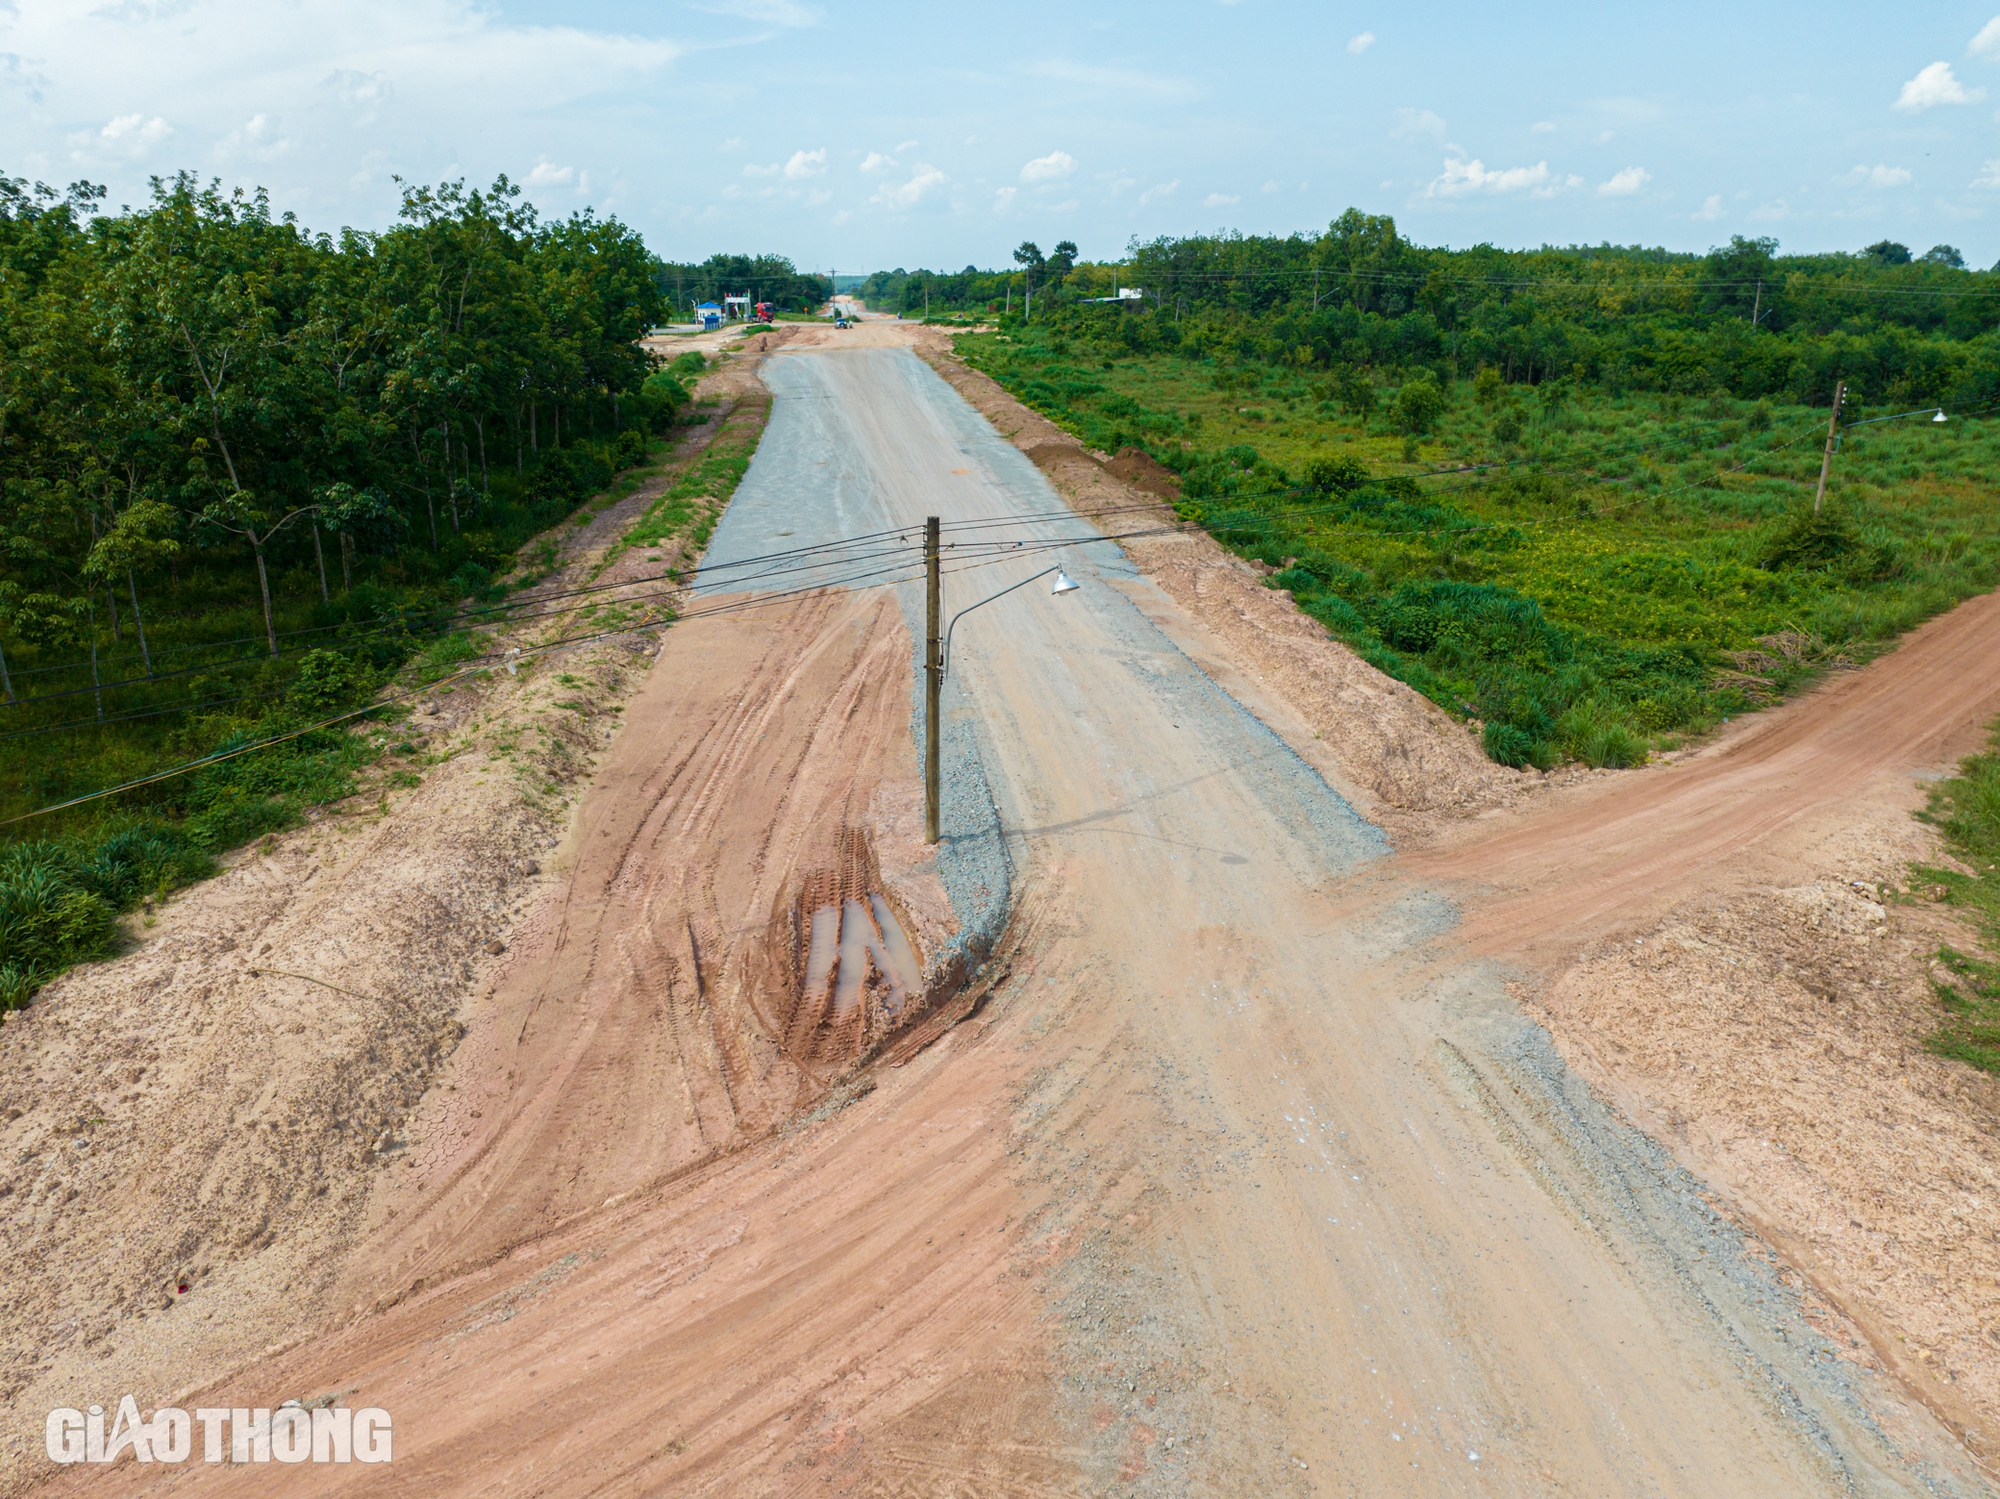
(1507, 428)
(48, 921)
(326, 683)
(1613, 746)
(1812, 539)
(59, 901)
(1508, 745)
(1418, 406)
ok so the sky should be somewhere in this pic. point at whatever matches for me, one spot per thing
(861, 137)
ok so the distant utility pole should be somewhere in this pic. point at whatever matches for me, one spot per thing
(933, 678)
(1756, 307)
(1832, 434)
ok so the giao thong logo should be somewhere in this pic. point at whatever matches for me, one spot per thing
(289, 1434)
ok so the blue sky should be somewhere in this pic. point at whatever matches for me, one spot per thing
(856, 137)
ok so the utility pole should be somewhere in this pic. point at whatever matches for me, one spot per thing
(933, 678)
(1832, 434)
(1756, 308)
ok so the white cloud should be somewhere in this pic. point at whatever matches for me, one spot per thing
(1542, 127)
(1219, 200)
(806, 164)
(1933, 86)
(1624, 184)
(1878, 177)
(1270, 187)
(257, 140)
(1989, 175)
(344, 77)
(877, 162)
(364, 93)
(1462, 177)
(1159, 190)
(1360, 44)
(1116, 80)
(130, 135)
(1987, 43)
(1051, 168)
(1710, 210)
(734, 143)
(1417, 125)
(768, 12)
(767, 169)
(1004, 199)
(546, 173)
(902, 146)
(923, 181)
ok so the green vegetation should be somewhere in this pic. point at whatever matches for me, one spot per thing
(1565, 493)
(691, 505)
(247, 474)
(1966, 809)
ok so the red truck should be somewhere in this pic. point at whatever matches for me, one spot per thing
(767, 312)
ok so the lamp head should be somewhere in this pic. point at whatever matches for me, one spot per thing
(1940, 416)
(1063, 584)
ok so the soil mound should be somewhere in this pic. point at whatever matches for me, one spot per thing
(1144, 472)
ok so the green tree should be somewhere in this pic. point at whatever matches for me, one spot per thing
(141, 538)
(1418, 406)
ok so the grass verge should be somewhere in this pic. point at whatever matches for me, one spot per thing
(1966, 809)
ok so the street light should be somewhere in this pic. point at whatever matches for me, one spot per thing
(1061, 586)
(937, 654)
(1834, 430)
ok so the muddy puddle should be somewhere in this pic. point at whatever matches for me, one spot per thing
(855, 941)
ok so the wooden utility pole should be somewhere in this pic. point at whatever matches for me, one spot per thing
(933, 678)
(1832, 435)
(1757, 307)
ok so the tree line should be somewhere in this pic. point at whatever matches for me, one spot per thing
(763, 278)
(1361, 299)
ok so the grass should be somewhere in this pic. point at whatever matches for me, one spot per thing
(1624, 570)
(691, 505)
(1966, 809)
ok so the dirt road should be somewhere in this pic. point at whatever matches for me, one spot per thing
(1246, 1175)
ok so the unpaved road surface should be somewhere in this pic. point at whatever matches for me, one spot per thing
(1243, 1175)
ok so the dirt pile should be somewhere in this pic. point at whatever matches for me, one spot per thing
(666, 1009)
(1143, 472)
(1774, 1038)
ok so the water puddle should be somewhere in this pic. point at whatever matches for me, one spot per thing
(853, 938)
